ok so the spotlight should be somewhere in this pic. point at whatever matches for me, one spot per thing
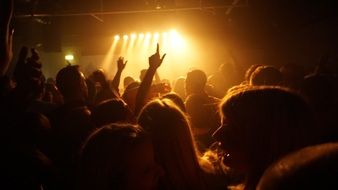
(141, 35)
(164, 34)
(156, 35)
(116, 37)
(125, 37)
(148, 35)
(69, 57)
(133, 36)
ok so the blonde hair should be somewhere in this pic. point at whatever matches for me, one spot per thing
(174, 145)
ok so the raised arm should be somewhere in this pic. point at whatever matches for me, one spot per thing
(121, 64)
(155, 61)
(6, 12)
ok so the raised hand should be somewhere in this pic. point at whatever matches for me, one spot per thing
(121, 64)
(155, 60)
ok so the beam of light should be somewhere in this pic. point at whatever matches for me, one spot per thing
(124, 44)
(140, 39)
(176, 41)
(133, 36)
(136, 48)
(146, 43)
(164, 35)
(69, 57)
(141, 36)
(116, 37)
(130, 46)
(156, 35)
(165, 42)
(108, 60)
(148, 35)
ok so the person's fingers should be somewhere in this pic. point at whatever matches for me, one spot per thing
(125, 62)
(163, 56)
(158, 49)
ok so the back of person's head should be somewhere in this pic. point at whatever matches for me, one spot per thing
(118, 156)
(71, 83)
(249, 72)
(173, 143)
(262, 124)
(110, 111)
(127, 80)
(129, 94)
(266, 75)
(195, 81)
(176, 99)
(266, 112)
(91, 86)
(313, 167)
(227, 68)
(202, 112)
(100, 77)
(179, 87)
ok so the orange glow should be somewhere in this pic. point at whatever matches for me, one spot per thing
(136, 48)
(116, 37)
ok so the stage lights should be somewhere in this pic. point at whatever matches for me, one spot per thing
(171, 36)
(69, 57)
(116, 37)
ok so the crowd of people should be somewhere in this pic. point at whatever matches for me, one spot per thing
(276, 128)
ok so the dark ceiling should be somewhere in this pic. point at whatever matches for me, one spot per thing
(250, 23)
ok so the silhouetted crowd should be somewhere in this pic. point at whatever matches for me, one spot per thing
(272, 128)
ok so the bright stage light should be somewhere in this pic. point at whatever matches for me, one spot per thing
(148, 35)
(141, 36)
(69, 57)
(125, 37)
(133, 36)
(116, 37)
(156, 35)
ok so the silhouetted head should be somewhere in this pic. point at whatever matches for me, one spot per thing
(266, 75)
(111, 111)
(176, 99)
(179, 87)
(249, 72)
(127, 80)
(195, 82)
(118, 156)
(313, 167)
(71, 83)
(260, 124)
(129, 94)
(99, 76)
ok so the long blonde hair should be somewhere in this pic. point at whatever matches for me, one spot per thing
(174, 145)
